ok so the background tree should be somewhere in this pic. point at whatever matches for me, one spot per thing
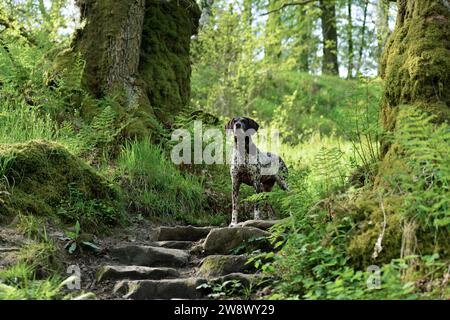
(138, 50)
(329, 37)
(350, 51)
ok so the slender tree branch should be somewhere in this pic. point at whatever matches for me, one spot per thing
(297, 3)
(8, 23)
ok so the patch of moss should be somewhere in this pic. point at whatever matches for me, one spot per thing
(165, 65)
(39, 175)
(369, 227)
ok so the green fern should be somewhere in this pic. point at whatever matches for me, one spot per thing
(425, 146)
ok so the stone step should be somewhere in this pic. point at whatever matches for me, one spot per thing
(182, 233)
(178, 288)
(224, 240)
(183, 245)
(150, 256)
(221, 265)
(135, 273)
(160, 289)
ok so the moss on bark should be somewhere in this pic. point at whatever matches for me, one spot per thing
(416, 62)
(165, 65)
(416, 71)
(138, 53)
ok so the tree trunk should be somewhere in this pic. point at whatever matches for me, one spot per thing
(247, 14)
(304, 38)
(416, 63)
(329, 35)
(363, 37)
(273, 26)
(350, 40)
(138, 49)
(382, 25)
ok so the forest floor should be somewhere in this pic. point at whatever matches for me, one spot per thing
(142, 262)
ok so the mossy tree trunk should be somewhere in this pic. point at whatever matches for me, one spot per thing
(397, 216)
(329, 37)
(138, 50)
(416, 62)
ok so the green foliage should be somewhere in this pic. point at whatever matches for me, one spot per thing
(226, 289)
(92, 214)
(76, 241)
(426, 181)
(19, 283)
(155, 187)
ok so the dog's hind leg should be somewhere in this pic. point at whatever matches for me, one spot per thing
(258, 189)
(281, 181)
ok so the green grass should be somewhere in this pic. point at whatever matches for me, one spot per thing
(156, 188)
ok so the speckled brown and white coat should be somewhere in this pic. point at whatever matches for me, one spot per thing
(253, 167)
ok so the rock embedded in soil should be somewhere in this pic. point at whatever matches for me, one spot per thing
(220, 265)
(160, 289)
(183, 233)
(182, 245)
(135, 273)
(260, 224)
(150, 256)
(224, 240)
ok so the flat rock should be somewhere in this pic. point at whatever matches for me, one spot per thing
(183, 245)
(150, 256)
(223, 240)
(183, 233)
(135, 273)
(220, 265)
(260, 224)
(160, 289)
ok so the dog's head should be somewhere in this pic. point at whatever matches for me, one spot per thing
(242, 125)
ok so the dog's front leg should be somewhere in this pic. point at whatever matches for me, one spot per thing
(236, 184)
(258, 189)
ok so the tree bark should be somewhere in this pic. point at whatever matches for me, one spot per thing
(350, 40)
(363, 37)
(416, 63)
(382, 25)
(138, 49)
(329, 35)
(304, 38)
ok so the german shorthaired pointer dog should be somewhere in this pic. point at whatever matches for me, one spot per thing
(251, 166)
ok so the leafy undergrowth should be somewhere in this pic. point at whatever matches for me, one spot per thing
(156, 188)
(387, 239)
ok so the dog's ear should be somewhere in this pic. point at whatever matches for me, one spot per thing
(252, 124)
(229, 125)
